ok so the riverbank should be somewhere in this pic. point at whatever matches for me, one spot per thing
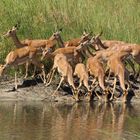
(31, 90)
(35, 90)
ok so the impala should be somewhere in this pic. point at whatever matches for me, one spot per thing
(21, 56)
(49, 43)
(76, 42)
(52, 41)
(105, 43)
(82, 73)
(65, 69)
(73, 54)
(115, 63)
(95, 68)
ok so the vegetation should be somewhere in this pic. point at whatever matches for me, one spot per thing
(118, 19)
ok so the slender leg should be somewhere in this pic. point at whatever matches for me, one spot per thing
(98, 95)
(26, 68)
(62, 79)
(115, 80)
(16, 80)
(80, 84)
(41, 66)
(93, 82)
(50, 77)
(109, 75)
(34, 72)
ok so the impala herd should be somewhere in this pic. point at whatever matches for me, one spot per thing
(87, 59)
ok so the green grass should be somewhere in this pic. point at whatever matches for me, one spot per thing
(119, 19)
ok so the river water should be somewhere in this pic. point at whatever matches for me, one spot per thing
(79, 121)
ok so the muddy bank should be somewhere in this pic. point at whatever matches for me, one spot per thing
(32, 90)
(35, 90)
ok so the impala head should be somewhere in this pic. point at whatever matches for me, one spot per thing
(83, 45)
(85, 36)
(56, 35)
(96, 39)
(12, 31)
(46, 51)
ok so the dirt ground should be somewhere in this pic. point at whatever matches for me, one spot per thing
(35, 90)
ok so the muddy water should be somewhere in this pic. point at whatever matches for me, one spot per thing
(82, 121)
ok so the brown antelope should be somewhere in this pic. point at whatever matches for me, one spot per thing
(95, 68)
(105, 43)
(76, 42)
(132, 49)
(65, 69)
(73, 54)
(52, 41)
(49, 43)
(82, 73)
(115, 46)
(115, 63)
(21, 56)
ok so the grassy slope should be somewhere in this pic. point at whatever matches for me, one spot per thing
(119, 19)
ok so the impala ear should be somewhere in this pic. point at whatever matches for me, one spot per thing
(15, 27)
(92, 39)
(84, 32)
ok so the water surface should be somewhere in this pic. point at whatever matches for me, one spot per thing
(80, 121)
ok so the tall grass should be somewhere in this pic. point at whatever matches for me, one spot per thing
(119, 19)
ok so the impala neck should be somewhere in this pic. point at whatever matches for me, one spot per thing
(16, 41)
(101, 45)
(61, 43)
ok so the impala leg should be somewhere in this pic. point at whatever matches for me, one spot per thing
(48, 76)
(34, 72)
(44, 75)
(16, 80)
(114, 87)
(85, 82)
(99, 97)
(125, 93)
(80, 84)
(62, 79)
(51, 74)
(75, 92)
(41, 66)
(109, 75)
(93, 82)
(26, 70)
